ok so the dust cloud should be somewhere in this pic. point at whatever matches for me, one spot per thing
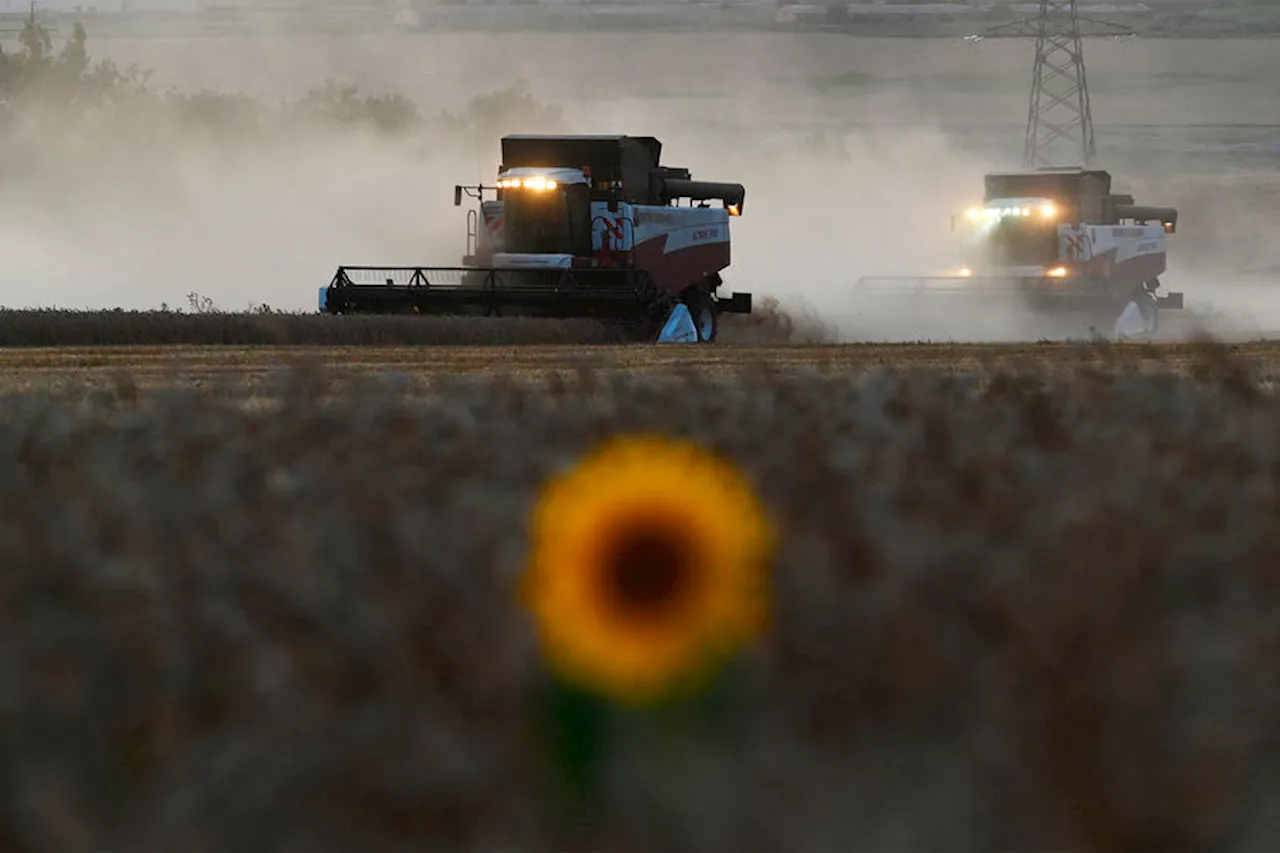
(134, 208)
(117, 218)
(1225, 258)
(823, 211)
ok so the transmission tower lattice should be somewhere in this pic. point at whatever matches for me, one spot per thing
(1059, 105)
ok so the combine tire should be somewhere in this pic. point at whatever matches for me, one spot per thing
(1147, 308)
(706, 319)
(1149, 305)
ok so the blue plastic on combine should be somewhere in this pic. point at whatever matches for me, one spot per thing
(679, 328)
(324, 298)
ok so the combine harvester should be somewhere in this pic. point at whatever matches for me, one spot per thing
(1050, 248)
(580, 226)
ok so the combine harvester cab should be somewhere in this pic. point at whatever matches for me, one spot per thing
(1053, 247)
(579, 226)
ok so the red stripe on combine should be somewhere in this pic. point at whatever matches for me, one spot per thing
(675, 271)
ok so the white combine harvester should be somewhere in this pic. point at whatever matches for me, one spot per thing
(580, 227)
(1050, 244)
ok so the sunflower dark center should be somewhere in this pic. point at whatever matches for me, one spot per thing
(648, 568)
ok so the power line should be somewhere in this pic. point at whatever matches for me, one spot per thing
(1059, 106)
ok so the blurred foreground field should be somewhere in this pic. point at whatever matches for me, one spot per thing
(1033, 608)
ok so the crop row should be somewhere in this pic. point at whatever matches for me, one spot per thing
(65, 327)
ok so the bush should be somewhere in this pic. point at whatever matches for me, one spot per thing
(66, 84)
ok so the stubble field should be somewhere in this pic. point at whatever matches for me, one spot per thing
(248, 372)
(260, 571)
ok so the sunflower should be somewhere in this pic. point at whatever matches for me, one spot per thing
(648, 563)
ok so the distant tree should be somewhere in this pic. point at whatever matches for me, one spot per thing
(36, 71)
(506, 110)
(35, 39)
(342, 104)
(36, 76)
(75, 55)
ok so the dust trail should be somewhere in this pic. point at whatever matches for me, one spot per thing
(824, 206)
(138, 214)
(242, 226)
(824, 209)
(1225, 257)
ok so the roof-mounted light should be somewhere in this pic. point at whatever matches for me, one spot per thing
(535, 183)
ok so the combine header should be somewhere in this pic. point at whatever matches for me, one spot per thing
(1058, 244)
(579, 226)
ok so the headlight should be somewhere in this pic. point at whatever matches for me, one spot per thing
(527, 183)
(1057, 272)
(965, 272)
(1048, 211)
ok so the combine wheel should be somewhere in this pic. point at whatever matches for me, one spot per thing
(706, 319)
(1140, 314)
(1149, 305)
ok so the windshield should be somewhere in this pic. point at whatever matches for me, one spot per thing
(1017, 242)
(998, 239)
(547, 222)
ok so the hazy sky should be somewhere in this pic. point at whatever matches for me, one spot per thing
(13, 6)
(119, 5)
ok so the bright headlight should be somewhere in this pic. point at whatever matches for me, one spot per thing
(1048, 211)
(537, 183)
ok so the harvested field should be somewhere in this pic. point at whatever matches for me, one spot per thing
(247, 371)
(63, 328)
(1033, 612)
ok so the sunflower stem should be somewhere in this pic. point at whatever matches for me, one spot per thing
(574, 735)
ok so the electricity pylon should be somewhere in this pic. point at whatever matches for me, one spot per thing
(1059, 105)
